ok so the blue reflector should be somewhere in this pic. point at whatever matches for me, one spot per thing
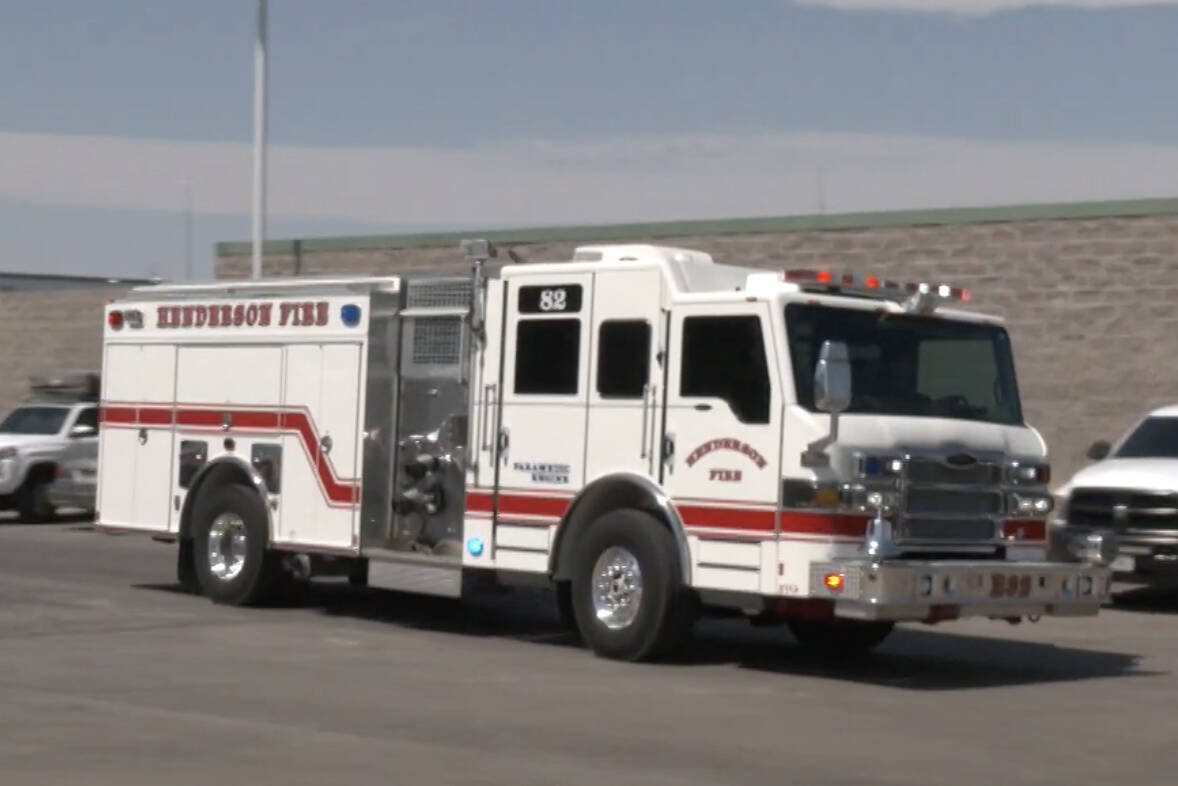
(350, 314)
(475, 546)
(872, 466)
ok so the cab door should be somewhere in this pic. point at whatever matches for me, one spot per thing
(625, 380)
(544, 382)
(722, 447)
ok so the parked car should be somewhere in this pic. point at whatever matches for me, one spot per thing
(75, 482)
(61, 412)
(1131, 491)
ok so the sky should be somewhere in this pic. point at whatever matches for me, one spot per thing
(421, 115)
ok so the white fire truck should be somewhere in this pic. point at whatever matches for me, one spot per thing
(649, 432)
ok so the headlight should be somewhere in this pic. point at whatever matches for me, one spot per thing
(1029, 504)
(1029, 474)
(8, 453)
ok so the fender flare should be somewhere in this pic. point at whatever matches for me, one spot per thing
(615, 491)
(222, 469)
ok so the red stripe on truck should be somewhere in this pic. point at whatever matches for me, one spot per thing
(337, 491)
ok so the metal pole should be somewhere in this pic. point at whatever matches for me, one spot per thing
(259, 235)
(187, 228)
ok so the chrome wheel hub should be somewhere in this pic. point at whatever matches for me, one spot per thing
(227, 546)
(617, 587)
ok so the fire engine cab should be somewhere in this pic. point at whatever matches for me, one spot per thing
(649, 432)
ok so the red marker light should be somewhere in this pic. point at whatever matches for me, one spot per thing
(872, 282)
(115, 320)
(823, 277)
(833, 582)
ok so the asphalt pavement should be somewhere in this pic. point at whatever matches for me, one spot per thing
(110, 675)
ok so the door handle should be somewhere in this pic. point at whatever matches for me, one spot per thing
(645, 410)
(485, 426)
(669, 451)
(504, 442)
(325, 444)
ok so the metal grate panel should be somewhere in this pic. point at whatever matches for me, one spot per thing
(440, 293)
(437, 341)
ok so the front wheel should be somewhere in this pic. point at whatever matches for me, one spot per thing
(628, 595)
(840, 637)
(34, 505)
(230, 533)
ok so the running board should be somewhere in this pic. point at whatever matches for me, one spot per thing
(410, 575)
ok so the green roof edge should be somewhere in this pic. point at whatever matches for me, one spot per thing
(668, 229)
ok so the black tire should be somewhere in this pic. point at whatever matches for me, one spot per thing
(33, 502)
(260, 576)
(840, 638)
(566, 617)
(667, 608)
(186, 568)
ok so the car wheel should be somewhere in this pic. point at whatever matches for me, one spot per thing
(230, 535)
(629, 599)
(34, 504)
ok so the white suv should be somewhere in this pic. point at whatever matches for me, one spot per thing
(33, 439)
(1132, 492)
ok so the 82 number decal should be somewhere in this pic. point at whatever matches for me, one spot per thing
(552, 299)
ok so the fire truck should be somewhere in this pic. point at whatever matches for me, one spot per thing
(650, 433)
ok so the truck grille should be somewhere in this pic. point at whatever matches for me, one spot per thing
(1122, 510)
(944, 529)
(936, 471)
(936, 500)
(958, 500)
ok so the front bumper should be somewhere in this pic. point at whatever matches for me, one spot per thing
(934, 590)
(10, 476)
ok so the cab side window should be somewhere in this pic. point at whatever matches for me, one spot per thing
(724, 357)
(623, 358)
(547, 356)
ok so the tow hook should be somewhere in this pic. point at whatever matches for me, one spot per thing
(1032, 618)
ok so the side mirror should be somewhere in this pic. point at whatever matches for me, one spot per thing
(832, 378)
(1099, 450)
(82, 431)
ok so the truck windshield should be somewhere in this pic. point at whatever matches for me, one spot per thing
(34, 420)
(1154, 438)
(909, 365)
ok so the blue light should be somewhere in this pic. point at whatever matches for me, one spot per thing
(350, 314)
(872, 466)
(475, 546)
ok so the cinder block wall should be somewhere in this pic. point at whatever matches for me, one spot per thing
(1091, 303)
(49, 331)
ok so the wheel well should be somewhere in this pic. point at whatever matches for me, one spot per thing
(215, 475)
(613, 493)
(40, 472)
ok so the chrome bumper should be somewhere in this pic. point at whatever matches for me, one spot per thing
(912, 590)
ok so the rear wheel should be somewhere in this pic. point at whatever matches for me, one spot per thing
(840, 637)
(628, 596)
(233, 564)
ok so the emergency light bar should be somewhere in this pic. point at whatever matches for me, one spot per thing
(870, 286)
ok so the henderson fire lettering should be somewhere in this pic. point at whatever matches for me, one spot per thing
(727, 443)
(222, 315)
